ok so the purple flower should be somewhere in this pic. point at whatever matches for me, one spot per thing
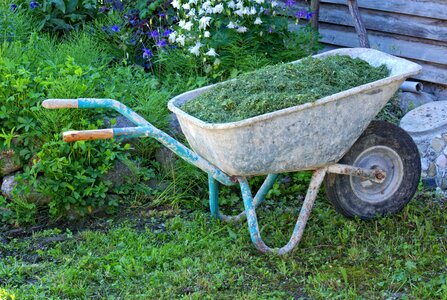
(300, 13)
(13, 7)
(115, 28)
(168, 32)
(118, 5)
(103, 9)
(147, 53)
(162, 15)
(33, 4)
(270, 30)
(289, 3)
(309, 15)
(154, 34)
(161, 43)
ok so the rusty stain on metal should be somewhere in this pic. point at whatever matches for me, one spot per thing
(375, 175)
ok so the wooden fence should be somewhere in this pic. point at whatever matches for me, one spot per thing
(413, 29)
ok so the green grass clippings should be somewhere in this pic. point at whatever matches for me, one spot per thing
(276, 87)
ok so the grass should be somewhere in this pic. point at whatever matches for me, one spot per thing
(173, 253)
(280, 86)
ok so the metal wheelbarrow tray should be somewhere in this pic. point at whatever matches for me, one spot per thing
(369, 167)
(302, 137)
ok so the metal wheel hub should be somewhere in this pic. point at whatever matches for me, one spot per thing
(378, 157)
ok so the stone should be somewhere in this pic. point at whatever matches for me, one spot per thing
(427, 125)
(122, 173)
(428, 120)
(409, 100)
(166, 158)
(424, 164)
(120, 122)
(8, 184)
(431, 170)
(441, 182)
(174, 125)
(429, 182)
(437, 144)
(9, 162)
(441, 161)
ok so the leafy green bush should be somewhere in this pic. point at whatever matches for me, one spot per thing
(59, 16)
(72, 176)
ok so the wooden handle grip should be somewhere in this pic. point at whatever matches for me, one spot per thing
(87, 135)
(60, 103)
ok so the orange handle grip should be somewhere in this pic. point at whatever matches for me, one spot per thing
(87, 135)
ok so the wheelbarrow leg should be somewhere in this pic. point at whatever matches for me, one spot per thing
(258, 199)
(250, 209)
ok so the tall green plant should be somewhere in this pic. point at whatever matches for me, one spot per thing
(71, 176)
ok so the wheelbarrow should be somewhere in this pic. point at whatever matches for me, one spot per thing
(370, 168)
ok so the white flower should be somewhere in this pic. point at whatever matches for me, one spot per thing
(206, 4)
(209, 10)
(196, 49)
(175, 4)
(218, 8)
(239, 12)
(194, 2)
(206, 34)
(217, 62)
(201, 11)
(253, 11)
(259, 1)
(211, 52)
(171, 37)
(239, 5)
(204, 22)
(192, 13)
(231, 4)
(186, 6)
(231, 25)
(185, 25)
(181, 40)
(274, 3)
(258, 21)
(242, 29)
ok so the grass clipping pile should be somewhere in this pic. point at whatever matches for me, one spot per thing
(276, 87)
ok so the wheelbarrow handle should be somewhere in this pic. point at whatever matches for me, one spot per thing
(60, 103)
(87, 135)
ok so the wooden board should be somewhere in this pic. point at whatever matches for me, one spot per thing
(393, 44)
(421, 27)
(436, 9)
(387, 22)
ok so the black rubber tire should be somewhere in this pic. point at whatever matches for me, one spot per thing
(378, 135)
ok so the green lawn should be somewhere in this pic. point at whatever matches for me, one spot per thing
(175, 253)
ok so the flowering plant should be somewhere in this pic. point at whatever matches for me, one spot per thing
(207, 27)
(139, 27)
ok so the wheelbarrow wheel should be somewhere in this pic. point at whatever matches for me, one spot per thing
(385, 146)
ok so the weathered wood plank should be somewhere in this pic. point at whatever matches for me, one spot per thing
(393, 44)
(387, 22)
(432, 73)
(436, 9)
